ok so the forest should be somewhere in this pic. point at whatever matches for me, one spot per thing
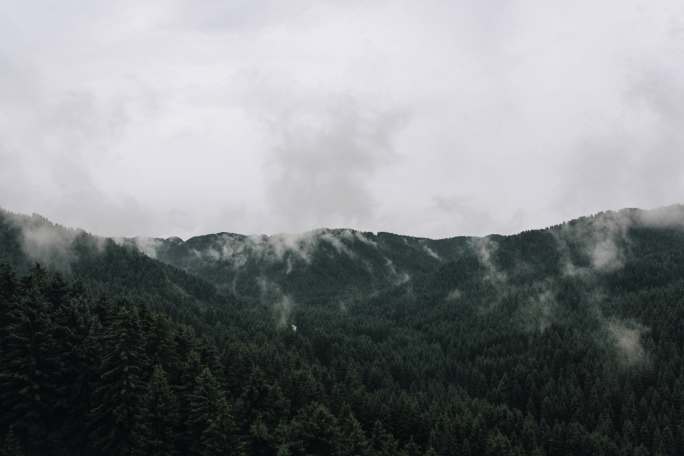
(567, 340)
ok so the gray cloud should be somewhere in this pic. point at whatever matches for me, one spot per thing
(281, 303)
(173, 117)
(319, 169)
(540, 312)
(466, 217)
(627, 339)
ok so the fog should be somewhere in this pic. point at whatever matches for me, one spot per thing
(431, 119)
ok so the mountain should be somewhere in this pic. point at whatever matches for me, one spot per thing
(332, 266)
(322, 265)
(559, 341)
(101, 262)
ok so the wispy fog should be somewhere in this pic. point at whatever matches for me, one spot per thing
(428, 118)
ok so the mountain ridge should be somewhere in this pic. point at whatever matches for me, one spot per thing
(398, 345)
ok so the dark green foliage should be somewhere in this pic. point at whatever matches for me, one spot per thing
(314, 431)
(28, 389)
(352, 440)
(210, 418)
(514, 353)
(155, 435)
(120, 389)
(10, 446)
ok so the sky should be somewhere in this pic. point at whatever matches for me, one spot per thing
(429, 118)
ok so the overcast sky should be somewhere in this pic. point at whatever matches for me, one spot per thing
(431, 118)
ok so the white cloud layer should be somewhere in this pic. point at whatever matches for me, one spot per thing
(430, 118)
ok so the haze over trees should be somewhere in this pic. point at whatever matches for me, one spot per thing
(562, 341)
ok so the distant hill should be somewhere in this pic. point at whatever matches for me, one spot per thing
(111, 264)
(334, 266)
(338, 267)
(320, 265)
(558, 341)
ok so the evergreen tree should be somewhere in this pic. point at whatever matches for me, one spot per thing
(352, 440)
(123, 347)
(28, 369)
(382, 442)
(156, 434)
(116, 416)
(211, 419)
(10, 446)
(317, 431)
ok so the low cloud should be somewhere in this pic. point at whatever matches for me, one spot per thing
(454, 295)
(282, 304)
(324, 157)
(540, 311)
(605, 238)
(607, 241)
(626, 336)
(42, 241)
(397, 277)
(431, 252)
(485, 248)
(237, 250)
(429, 119)
(148, 246)
(664, 217)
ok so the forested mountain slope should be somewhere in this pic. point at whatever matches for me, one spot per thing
(338, 267)
(102, 263)
(320, 265)
(562, 341)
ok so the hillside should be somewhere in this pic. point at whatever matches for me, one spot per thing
(561, 341)
(101, 263)
(322, 265)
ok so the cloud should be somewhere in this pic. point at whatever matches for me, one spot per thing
(627, 339)
(604, 238)
(431, 252)
(397, 277)
(664, 217)
(608, 241)
(444, 118)
(49, 244)
(281, 303)
(601, 239)
(323, 158)
(634, 157)
(485, 250)
(148, 246)
(541, 310)
(46, 243)
(288, 250)
(464, 214)
(454, 295)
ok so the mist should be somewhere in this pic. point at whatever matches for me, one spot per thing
(434, 120)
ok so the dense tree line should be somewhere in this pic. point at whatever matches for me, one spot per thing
(110, 358)
(83, 374)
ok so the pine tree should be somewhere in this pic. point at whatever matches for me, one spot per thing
(498, 444)
(183, 387)
(352, 439)
(382, 442)
(10, 446)
(317, 429)
(75, 340)
(119, 390)
(211, 419)
(8, 284)
(156, 433)
(28, 368)
(161, 346)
